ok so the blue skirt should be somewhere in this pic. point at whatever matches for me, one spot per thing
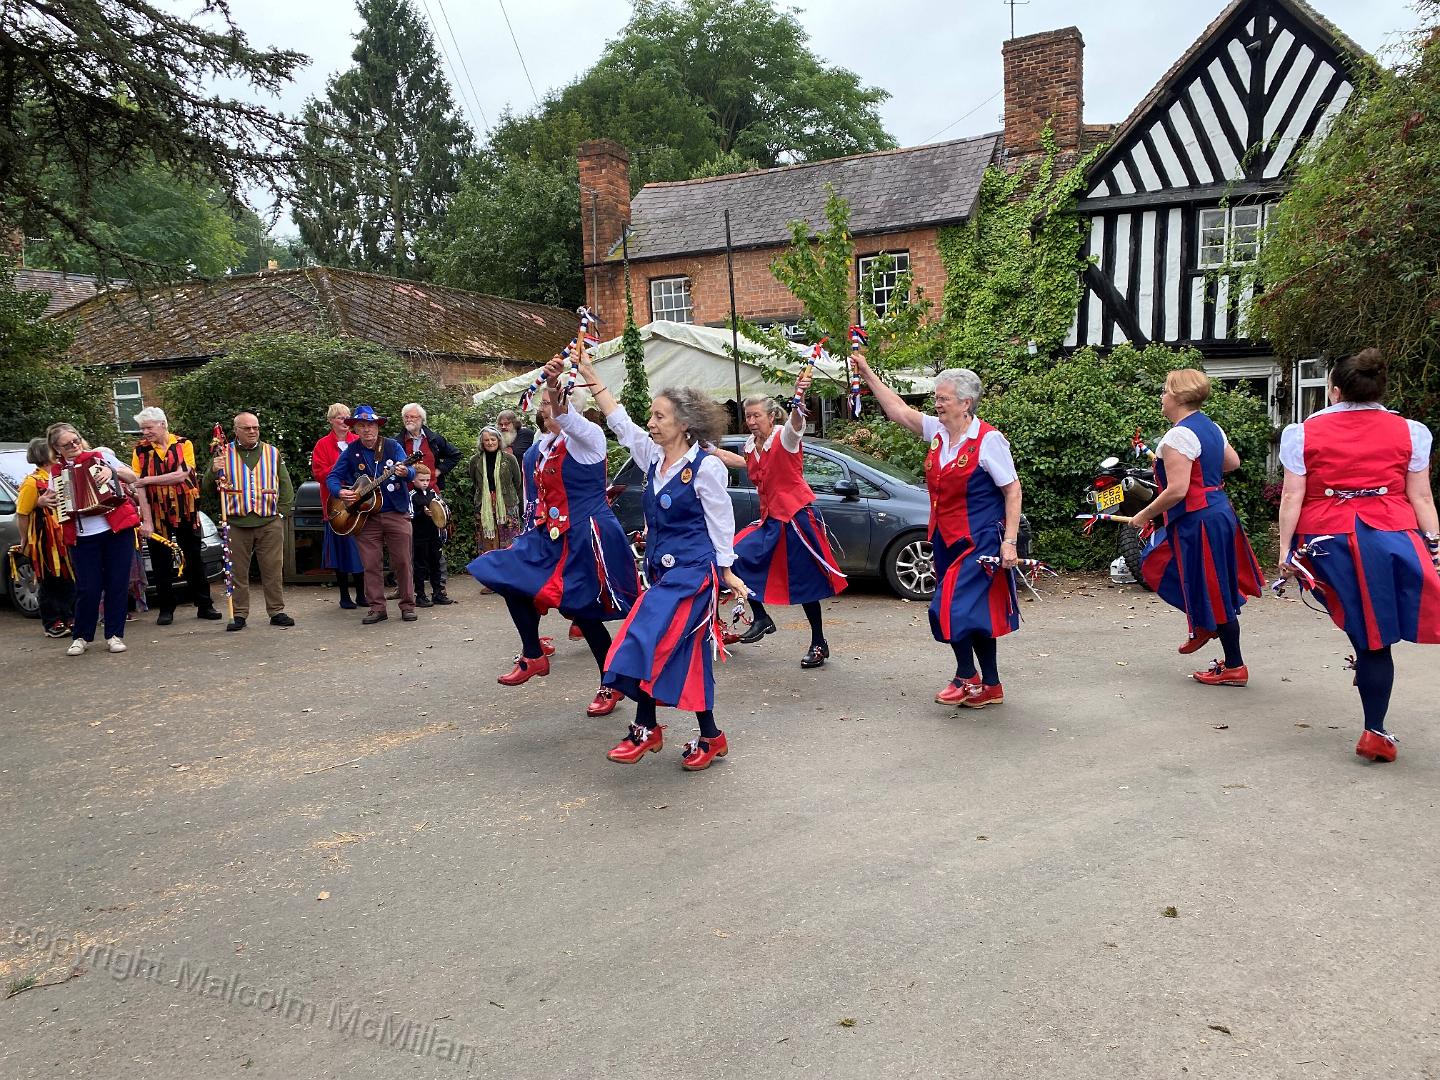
(665, 646)
(340, 553)
(1203, 565)
(788, 562)
(969, 599)
(588, 573)
(1379, 586)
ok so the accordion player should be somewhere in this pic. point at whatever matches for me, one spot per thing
(79, 491)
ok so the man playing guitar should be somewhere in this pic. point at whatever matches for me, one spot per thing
(388, 529)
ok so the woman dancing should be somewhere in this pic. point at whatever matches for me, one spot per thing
(1358, 504)
(1204, 565)
(785, 557)
(575, 558)
(974, 510)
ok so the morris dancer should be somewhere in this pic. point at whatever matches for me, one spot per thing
(974, 511)
(42, 541)
(1203, 565)
(663, 653)
(338, 553)
(784, 557)
(575, 557)
(1357, 494)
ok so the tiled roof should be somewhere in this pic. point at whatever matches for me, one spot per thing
(194, 319)
(887, 191)
(64, 289)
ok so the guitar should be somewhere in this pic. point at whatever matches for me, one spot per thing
(346, 518)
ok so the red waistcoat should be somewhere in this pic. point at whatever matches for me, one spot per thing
(1359, 450)
(963, 498)
(780, 480)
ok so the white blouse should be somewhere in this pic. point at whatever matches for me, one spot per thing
(711, 479)
(1292, 439)
(583, 436)
(995, 456)
(789, 439)
(1186, 441)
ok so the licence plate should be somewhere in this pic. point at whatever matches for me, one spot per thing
(1105, 498)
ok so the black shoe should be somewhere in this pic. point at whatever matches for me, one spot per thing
(360, 601)
(207, 612)
(441, 598)
(238, 623)
(816, 657)
(373, 618)
(346, 603)
(281, 619)
(758, 629)
(165, 618)
(57, 630)
(421, 600)
(408, 616)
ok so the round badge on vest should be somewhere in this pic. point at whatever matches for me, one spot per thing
(667, 560)
(554, 532)
(555, 512)
(665, 502)
(685, 475)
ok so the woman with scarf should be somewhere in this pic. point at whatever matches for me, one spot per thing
(495, 479)
(339, 553)
(42, 542)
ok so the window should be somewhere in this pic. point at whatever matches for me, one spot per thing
(670, 300)
(1230, 234)
(1311, 390)
(881, 286)
(821, 473)
(128, 402)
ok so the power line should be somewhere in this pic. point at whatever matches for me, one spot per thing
(972, 112)
(519, 53)
(459, 88)
(464, 66)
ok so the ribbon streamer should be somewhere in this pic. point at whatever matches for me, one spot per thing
(797, 400)
(858, 339)
(991, 563)
(217, 445)
(1140, 448)
(1303, 575)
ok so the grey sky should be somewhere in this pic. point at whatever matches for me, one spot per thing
(939, 60)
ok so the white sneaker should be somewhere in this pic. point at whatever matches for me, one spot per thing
(115, 644)
(77, 647)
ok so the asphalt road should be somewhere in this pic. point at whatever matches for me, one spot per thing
(336, 851)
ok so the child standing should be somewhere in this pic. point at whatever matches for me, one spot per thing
(429, 518)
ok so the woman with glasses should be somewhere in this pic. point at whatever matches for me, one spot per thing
(1203, 564)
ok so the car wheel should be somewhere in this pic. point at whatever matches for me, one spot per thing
(910, 567)
(24, 591)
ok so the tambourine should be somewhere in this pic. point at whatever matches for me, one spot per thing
(439, 512)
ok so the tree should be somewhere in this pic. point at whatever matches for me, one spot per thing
(1350, 254)
(95, 89)
(260, 248)
(38, 387)
(386, 146)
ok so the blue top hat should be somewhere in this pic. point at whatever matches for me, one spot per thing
(364, 412)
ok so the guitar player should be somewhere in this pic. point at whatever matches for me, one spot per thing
(388, 529)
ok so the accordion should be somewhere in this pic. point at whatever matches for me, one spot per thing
(79, 492)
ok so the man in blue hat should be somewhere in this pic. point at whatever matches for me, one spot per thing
(388, 528)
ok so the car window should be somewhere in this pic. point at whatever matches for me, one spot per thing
(869, 489)
(885, 468)
(629, 473)
(821, 473)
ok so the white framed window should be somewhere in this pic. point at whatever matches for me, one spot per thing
(128, 402)
(1311, 388)
(881, 286)
(1231, 234)
(670, 300)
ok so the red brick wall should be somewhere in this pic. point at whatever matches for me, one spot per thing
(757, 294)
(604, 198)
(1044, 81)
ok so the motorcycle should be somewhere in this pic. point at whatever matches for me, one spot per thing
(1123, 488)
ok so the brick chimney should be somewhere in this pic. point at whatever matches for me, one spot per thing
(1044, 81)
(604, 207)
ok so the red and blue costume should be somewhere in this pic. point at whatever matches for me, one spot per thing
(338, 553)
(1202, 562)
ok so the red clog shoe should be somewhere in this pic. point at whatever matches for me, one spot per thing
(576, 634)
(1197, 641)
(979, 695)
(1217, 674)
(525, 669)
(1377, 746)
(637, 743)
(547, 646)
(697, 754)
(728, 637)
(954, 692)
(604, 703)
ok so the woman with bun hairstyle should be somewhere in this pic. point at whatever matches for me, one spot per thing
(1358, 513)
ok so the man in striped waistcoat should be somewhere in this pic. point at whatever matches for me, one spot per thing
(257, 493)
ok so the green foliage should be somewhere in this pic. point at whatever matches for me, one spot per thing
(725, 163)
(1350, 255)
(635, 395)
(1013, 270)
(37, 387)
(386, 145)
(99, 89)
(260, 247)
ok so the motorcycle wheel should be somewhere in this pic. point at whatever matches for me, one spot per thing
(1130, 550)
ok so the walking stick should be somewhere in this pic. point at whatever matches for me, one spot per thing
(222, 485)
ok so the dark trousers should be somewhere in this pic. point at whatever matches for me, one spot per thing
(57, 600)
(429, 553)
(102, 572)
(162, 567)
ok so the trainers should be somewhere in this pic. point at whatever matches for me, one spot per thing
(115, 644)
(281, 619)
(77, 647)
(637, 743)
(1217, 674)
